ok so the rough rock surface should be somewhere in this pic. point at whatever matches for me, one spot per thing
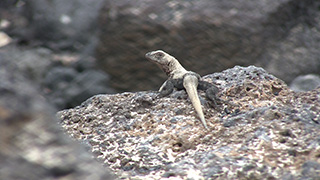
(206, 36)
(32, 145)
(260, 129)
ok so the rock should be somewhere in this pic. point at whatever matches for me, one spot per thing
(14, 20)
(4, 39)
(311, 169)
(66, 79)
(297, 53)
(58, 25)
(205, 36)
(32, 143)
(305, 82)
(32, 62)
(273, 131)
(65, 87)
(65, 24)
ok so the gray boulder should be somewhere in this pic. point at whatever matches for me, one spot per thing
(305, 83)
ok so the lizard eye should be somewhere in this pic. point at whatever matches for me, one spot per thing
(159, 55)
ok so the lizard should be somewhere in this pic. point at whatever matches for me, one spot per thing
(180, 78)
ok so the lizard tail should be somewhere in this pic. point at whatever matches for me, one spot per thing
(190, 83)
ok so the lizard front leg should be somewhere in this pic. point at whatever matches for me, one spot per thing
(168, 86)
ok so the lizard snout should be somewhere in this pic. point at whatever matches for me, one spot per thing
(148, 55)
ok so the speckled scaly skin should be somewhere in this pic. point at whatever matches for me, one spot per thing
(180, 78)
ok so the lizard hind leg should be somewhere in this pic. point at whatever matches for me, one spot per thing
(190, 83)
(169, 85)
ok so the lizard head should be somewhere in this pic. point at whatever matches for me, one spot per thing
(160, 57)
(165, 61)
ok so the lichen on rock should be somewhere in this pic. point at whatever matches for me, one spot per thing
(258, 129)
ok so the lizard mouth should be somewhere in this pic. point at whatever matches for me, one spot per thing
(147, 55)
(156, 56)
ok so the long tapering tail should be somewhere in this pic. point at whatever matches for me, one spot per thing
(190, 83)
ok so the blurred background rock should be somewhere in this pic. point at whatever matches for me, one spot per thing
(78, 48)
(32, 144)
(53, 43)
(206, 36)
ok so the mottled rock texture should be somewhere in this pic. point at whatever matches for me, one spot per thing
(260, 129)
(32, 145)
(208, 36)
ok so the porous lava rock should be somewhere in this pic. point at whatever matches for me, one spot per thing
(259, 129)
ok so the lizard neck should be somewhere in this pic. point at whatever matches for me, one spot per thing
(175, 69)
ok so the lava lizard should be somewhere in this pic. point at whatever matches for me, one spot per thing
(180, 78)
